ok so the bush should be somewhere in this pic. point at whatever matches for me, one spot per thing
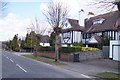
(67, 49)
(51, 49)
(70, 49)
(89, 49)
(78, 44)
(62, 49)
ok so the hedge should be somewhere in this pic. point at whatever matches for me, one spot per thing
(89, 49)
(68, 49)
(62, 49)
(50, 49)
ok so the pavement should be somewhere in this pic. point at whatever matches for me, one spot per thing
(91, 68)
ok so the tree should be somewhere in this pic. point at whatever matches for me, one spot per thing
(14, 43)
(39, 28)
(52, 39)
(31, 40)
(28, 41)
(56, 16)
(22, 45)
(108, 4)
(105, 41)
(3, 7)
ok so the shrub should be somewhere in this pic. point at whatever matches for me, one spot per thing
(62, 49)
(89, 49)
(78, 44)
(68, 49)
(51, 49)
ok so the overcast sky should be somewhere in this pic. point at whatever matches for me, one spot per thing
(21, 12)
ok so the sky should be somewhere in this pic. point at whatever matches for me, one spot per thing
(20, 13)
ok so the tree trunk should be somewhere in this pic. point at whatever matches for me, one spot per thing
(57, 43)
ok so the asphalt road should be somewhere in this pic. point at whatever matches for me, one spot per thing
(15, 66)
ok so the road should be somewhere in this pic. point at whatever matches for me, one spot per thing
(14, 66)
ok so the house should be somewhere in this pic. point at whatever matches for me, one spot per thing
(100, 26)
(71, 32)
(44, 41)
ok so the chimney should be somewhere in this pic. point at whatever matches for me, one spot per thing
(81, 17)
(90, 14)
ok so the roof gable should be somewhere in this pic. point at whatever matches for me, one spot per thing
(94, 39)
(74, 26)
(110, 22)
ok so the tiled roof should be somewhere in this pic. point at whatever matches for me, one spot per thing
(98, 38)
(74, 26)
(111, 22)
(43, 38)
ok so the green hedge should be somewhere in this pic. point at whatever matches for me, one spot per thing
(51, 49)
(62, 49)
(68, 49)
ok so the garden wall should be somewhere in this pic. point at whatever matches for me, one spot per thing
(63, 56)
(90, 55)
(69, 57)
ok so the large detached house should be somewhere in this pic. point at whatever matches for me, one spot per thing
(72, 32)
(105, 25)
(100, 26)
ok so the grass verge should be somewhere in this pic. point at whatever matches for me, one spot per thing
(109, 75)
(49, 61)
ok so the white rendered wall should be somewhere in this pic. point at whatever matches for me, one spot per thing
(115, 50)
(45, 44)
(93, 40)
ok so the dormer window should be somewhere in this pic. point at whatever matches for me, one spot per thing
(98, 21)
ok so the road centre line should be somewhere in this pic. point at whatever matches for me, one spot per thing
(21, 68)
(11, 60)
(7, 57)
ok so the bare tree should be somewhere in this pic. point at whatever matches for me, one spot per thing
(108, 4)
(39, 27)
(3, 7)
(56, 15)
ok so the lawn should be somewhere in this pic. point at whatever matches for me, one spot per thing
(49, 61)
(109, 75)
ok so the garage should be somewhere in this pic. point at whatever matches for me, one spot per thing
(115, 50)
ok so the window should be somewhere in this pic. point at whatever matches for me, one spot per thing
(66, 35)
(66, 24)
(98, 21)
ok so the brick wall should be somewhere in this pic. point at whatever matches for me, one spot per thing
(69, 57)
(63, 56)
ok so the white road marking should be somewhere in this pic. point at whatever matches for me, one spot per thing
(85, 76)
(11, 60)
(7, 57)
(21, 68)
